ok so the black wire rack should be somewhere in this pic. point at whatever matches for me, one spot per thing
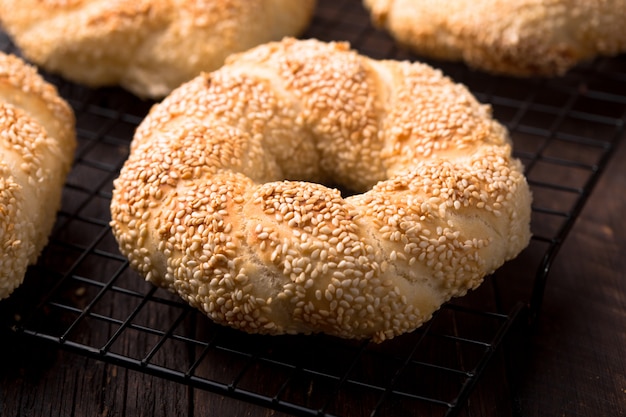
(83, 297)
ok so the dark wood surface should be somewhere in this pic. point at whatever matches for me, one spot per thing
(572, 364)
(575, 364)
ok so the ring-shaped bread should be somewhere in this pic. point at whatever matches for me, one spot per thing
(221, 199)
(37, 141)
(148, 47)
(512, 37)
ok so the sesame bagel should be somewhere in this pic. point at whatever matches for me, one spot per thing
(511, 37)
(222, 198)
(148, 47)
(37, 142)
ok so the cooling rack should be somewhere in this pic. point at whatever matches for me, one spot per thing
(83, 297)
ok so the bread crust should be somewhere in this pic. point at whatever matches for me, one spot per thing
(37, 142)
(147, 46)
(511, 37)
(219, 200)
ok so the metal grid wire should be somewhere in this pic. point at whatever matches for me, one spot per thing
(82, 295)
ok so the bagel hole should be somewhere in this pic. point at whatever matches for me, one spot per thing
(343, 189)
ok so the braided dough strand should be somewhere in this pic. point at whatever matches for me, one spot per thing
(221, 198)
(147, 46)
(37, 142)
(513, 37)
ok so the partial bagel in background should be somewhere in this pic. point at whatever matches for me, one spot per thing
(507, 37)
(148, 47)
(222, 198)
(37, 142)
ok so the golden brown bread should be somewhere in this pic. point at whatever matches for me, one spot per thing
(147, 46)
(514, 37)
(220, 200)
(37, 142)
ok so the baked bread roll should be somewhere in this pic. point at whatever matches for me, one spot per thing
(37, 141)
(512, 37)
(221, 199)
(147, 46)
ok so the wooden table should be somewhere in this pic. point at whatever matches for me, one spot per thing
(575, 364)
(572, 363)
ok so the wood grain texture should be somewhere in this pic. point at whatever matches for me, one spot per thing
(574, 364)
(577, 358)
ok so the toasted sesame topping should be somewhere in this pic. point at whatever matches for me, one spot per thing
(36, 145)
(514, 37)
(222, 198)
(149, 47)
